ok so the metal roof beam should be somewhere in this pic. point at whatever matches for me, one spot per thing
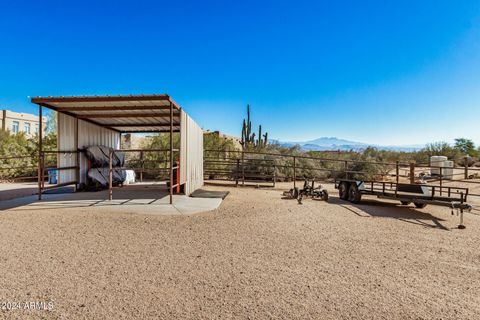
(120, 115)
(150, 131)
(47, 101)
(158, 97)
(119, 125)
(115, 108)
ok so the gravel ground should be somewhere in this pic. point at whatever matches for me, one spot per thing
(256, 257)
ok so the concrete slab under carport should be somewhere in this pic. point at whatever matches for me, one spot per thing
(152, 199)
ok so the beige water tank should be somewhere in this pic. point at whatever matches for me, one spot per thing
(437, 161)
(447, 170)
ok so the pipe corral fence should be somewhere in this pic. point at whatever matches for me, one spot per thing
(243, 168)
(38, 167)
(261, 168)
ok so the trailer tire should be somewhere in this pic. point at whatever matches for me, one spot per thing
(420, 205)
(295, 192)
(354, 195)
(405, 203)
(325, 195)
(343, 190)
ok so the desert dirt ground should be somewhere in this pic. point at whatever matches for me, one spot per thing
(256, 257)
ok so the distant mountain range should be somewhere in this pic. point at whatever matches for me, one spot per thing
(332, 143)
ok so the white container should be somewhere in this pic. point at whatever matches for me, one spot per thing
(130, 177)
(437, 161)
(447, 170)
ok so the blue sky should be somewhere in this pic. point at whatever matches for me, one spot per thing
(382, 72)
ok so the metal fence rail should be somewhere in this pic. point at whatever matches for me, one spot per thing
(241, 170)
(228, 165)
(244, 167)
(167, 163)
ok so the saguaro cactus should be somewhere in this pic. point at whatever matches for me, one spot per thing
(248, 138)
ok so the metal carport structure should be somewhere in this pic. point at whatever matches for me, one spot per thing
(102, 119)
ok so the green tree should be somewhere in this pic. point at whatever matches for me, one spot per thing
(466, 146)
(161, 141)
(17, 155)
(441, 149)
(156, 163)
(51, 126)
(221, 148)
(213, 141)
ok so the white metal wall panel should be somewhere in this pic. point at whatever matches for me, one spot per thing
(88, 135)
(191, 154)
(66, 142)
(183, 149)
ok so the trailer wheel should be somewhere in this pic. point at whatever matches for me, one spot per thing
(295, 192)
(354, 195)
(405, 203)
(325, 195)
(343, 190)
(420, 205)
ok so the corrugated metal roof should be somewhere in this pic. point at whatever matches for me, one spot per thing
(124, 113)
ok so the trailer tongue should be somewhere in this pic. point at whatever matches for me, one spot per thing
(418, 194)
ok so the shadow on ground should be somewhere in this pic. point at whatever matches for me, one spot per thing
(139, 199)
(64, 198)
(8, 194)
(376, 208)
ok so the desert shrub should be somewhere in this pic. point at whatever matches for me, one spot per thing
(224, 150)
(19, 154)
(156, 163)
(439, 149)
(16, 145)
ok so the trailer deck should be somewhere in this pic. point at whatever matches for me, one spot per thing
(419, 194)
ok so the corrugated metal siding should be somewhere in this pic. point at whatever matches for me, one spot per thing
(88, 135)
(66, 142)
(191, 154)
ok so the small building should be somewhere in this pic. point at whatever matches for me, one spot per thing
(84, 121)
(16, 122)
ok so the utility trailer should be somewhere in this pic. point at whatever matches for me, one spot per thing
(419, 194)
